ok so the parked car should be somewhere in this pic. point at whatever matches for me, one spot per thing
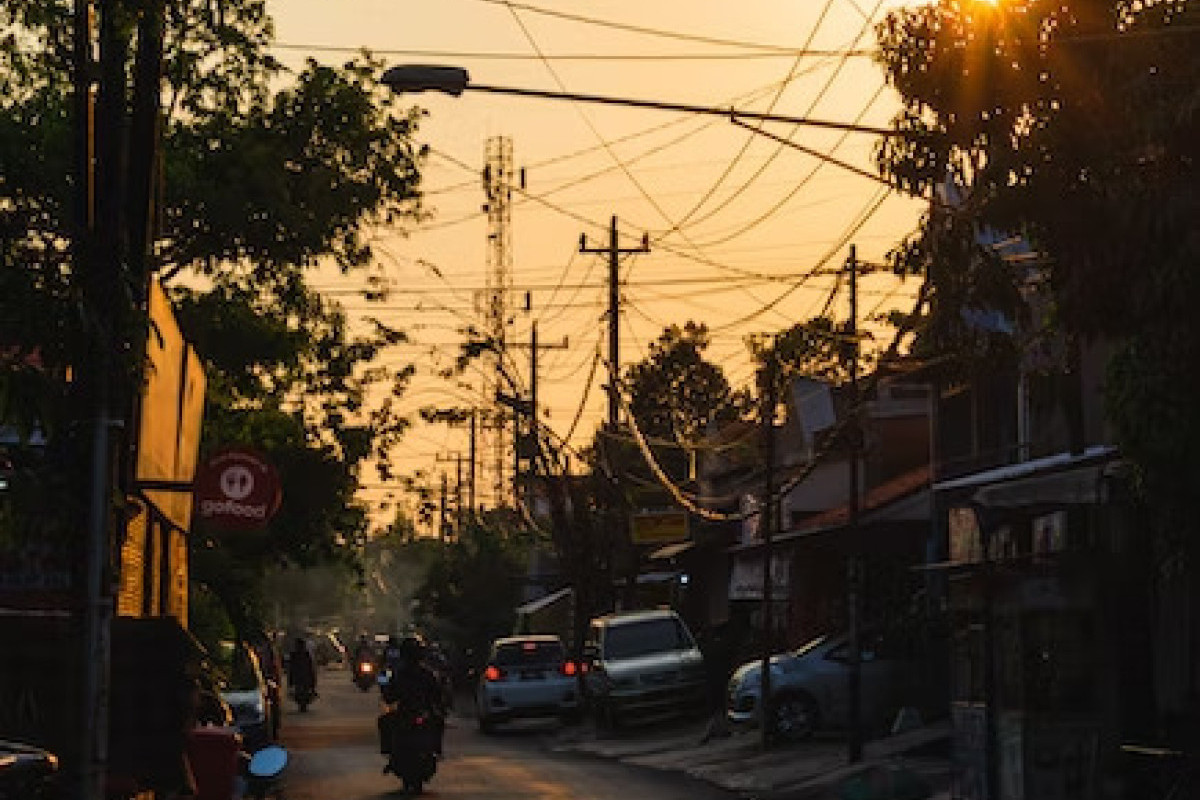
(810, 686)
(248, 693)
(527, 676)
(26, 772)
(642, 665)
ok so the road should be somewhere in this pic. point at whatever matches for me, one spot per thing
(335, 756)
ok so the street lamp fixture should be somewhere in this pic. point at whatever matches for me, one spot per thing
(456, 80)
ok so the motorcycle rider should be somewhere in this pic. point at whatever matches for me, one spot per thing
(302, 670)
(364, 653)
(413, 688)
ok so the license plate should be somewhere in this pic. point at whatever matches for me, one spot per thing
(531, 674)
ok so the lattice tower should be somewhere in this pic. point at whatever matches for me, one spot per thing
(497, 188)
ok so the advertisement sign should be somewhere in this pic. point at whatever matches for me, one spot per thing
(237, 489)
(746, 578)
(660, 527)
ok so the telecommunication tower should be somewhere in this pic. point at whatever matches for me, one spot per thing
(497, 188)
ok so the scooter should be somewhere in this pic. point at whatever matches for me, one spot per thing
(364, 674)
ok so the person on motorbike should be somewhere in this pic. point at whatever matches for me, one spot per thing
(413, 689)
(302, 670)
(364, 653)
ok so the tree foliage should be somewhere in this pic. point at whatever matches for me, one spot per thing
(267, 174)
(1073, 124)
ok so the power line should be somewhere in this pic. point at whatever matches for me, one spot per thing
(630, 28)
(479, 55)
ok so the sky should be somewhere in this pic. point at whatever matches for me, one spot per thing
(743, 232)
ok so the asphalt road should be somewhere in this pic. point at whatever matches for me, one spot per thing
(335, 756)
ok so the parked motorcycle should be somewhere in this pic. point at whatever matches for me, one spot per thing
(364, 674)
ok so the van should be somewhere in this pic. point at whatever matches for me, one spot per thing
(642, 665)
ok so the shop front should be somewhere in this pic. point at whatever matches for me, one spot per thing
(1034, 654)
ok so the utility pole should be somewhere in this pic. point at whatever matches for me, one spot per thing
(766, 521)
(854, 565)
(614, 252)
(471, 466)
(442, 512)
(531, 449)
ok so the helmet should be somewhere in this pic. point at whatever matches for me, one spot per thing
(412, 647)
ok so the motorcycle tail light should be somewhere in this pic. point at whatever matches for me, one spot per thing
(569, 668)
(493, 673)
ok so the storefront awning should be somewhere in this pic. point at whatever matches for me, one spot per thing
(1078, 486)
(671, 550)
(534, 606)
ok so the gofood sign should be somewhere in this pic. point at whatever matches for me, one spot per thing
(237, 488)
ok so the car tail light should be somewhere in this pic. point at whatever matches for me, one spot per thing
(493, 673)
(569, 668)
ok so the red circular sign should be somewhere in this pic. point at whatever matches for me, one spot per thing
(237, 488)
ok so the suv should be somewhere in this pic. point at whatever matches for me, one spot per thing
(642, 664)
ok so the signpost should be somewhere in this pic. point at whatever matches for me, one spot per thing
(237, 489)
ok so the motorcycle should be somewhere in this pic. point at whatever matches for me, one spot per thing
(364, 674)
(303, 695)
(412, 744)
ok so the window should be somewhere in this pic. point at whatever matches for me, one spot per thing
(633, 639)
(519, 654)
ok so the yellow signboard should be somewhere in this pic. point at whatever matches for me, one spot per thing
(660, 527)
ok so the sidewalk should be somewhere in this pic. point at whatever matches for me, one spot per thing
(812, 770)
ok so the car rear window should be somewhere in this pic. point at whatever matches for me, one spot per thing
(514, 654)
(633, 639)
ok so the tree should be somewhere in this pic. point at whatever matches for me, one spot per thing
(265, 175)
(1073, 124)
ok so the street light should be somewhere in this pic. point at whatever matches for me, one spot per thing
(456, 80)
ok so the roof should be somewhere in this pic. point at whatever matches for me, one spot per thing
(1022, 469)
(545, 601)
(618, 617)
(904, 498)
(527, 637)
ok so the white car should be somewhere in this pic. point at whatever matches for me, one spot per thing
(527, 676)
(810, 687)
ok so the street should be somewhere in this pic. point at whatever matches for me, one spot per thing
(334, 756)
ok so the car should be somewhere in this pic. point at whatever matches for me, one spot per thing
(248, 693)
(642, 665)
(525, 677)
(810, 687)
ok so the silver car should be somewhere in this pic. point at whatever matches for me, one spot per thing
(527, 676)
(643, 665)
(810, 687)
